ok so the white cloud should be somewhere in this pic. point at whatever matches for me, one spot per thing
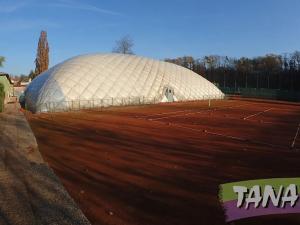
(70, 4)
(16, 24)
(11, 7)
(22, 24)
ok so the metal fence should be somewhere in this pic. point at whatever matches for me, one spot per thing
(99, 104)
(264, 93)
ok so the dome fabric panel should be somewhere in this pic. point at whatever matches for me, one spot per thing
(118, 77)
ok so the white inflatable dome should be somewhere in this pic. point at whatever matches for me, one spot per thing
(100, 80)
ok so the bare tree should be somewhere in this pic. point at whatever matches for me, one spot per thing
(296, 58)
(212, 61)
(244, 66)
(189, 62)
(124, 45)
(42, 57)
(2, 60)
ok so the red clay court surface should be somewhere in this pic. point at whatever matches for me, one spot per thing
(162, 164)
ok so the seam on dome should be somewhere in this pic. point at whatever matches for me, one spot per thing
(148, 75)
(163, 74)
(92, 66)
(121, 60)
(152, 74)
(156, 81)
(138, 61)
(176, 84)
(97, 71)
(137, 76)
(112, 59)
(114, 81)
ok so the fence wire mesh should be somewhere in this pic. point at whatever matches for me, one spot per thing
(264, 93)
(98, 104)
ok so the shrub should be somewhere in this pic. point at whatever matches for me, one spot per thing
(2, 96)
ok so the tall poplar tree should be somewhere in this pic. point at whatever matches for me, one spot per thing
(42, 57)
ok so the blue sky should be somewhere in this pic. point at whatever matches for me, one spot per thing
(159, 28)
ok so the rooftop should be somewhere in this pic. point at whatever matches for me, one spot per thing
(7, 76)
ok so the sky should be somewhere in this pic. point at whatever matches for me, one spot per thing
(160, 28)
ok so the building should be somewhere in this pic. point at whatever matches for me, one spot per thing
(20, 87)
(8, 86)
(100, 80)
(25, 83)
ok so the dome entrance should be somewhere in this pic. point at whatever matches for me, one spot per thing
(169, 94)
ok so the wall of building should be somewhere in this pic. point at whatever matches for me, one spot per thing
(8, 87)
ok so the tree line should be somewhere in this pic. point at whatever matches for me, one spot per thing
(271, 71)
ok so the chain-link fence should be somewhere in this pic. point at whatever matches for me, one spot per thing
(99, 104)
(264, 93)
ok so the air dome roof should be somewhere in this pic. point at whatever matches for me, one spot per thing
(96, 77)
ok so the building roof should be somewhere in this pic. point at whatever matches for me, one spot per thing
(7, 76)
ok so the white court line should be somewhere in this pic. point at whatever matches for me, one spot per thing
(237, 106)
(166, 117)
(199, 112)
(228, 136)
(257, 114)
(187, 110)
(295, 138)
(166, 113)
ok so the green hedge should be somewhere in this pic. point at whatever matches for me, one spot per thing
(2, 96)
